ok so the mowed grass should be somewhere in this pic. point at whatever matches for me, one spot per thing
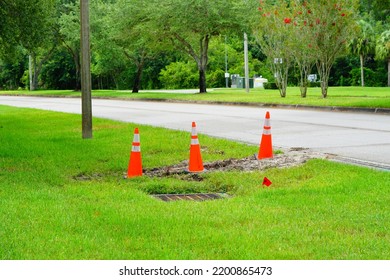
(364, 97)
(62, 197)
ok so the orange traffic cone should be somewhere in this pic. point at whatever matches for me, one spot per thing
(195, 163)
(135, 162)
(265, 150)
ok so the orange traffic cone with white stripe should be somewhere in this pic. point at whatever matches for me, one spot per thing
(135, 162)
(195, 163)
(265, 150)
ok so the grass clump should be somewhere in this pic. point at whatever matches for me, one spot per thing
(62, 197)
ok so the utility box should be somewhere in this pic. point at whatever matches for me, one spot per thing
(239, 82)
(234, 78)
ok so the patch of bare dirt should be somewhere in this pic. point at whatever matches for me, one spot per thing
(291, 157)
(87, 177)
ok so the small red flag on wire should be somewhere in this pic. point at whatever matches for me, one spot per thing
(266, 182)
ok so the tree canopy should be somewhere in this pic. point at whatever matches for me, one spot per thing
(185, 43)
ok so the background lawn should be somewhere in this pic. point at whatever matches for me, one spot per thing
(365, 97)
(62, 197)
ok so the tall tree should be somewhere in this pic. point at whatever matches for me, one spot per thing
(383, 51)
(108, 59)
(69, 33)
(191, 24)
(333, 24)
(280, 42)
(285, 37)
(30, 24)
(302, 49)
(322, 26)
(43, 41)
(132, 34)
(363, 44)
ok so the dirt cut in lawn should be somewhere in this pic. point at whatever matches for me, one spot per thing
(288, 158)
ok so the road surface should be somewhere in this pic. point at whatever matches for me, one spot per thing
(356, 137)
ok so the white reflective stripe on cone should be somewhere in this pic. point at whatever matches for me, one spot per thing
(136, 138)
(267, 122)
(194, 141)
(136, 149)
(267, 132)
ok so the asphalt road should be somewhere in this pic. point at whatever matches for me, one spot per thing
(362, 138)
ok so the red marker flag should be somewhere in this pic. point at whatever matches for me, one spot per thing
(266, 182)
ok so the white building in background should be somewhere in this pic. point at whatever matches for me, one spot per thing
(259, 82)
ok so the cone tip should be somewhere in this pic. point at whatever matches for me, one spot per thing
(267, 116)
(136, 131)
(193, 124)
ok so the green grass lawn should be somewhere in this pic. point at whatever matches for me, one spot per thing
(62, 197)
(338, 96)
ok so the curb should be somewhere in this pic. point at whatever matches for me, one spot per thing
(268, 105)
(364, 163)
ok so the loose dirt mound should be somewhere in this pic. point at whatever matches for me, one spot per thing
(291, 157)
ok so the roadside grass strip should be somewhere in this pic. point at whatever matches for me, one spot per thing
(62, 197)
(359, 97)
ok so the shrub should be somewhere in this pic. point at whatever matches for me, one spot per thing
(270, 86)
(179, 75)
(371, 79)
(313, 84)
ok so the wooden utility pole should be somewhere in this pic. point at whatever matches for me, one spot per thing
(86, 102)
(246, 63)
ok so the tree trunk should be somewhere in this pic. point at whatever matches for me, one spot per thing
(76, 60)
(30, 72)
(303, 91)
(35, 80)
(280, 70)
(33, 72)
(324, 72)
(202, 81)
(138, 59)
(137, 80)
(202, 63)
(324, 89)
(138, 76)
(304, 70)
(362, 70)
(303, 85)
(36, 68)
(75, 53)
(201, 59)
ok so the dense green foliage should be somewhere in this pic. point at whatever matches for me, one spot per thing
(62, 197)
(138, 45)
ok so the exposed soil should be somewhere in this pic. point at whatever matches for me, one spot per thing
(289, 158)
